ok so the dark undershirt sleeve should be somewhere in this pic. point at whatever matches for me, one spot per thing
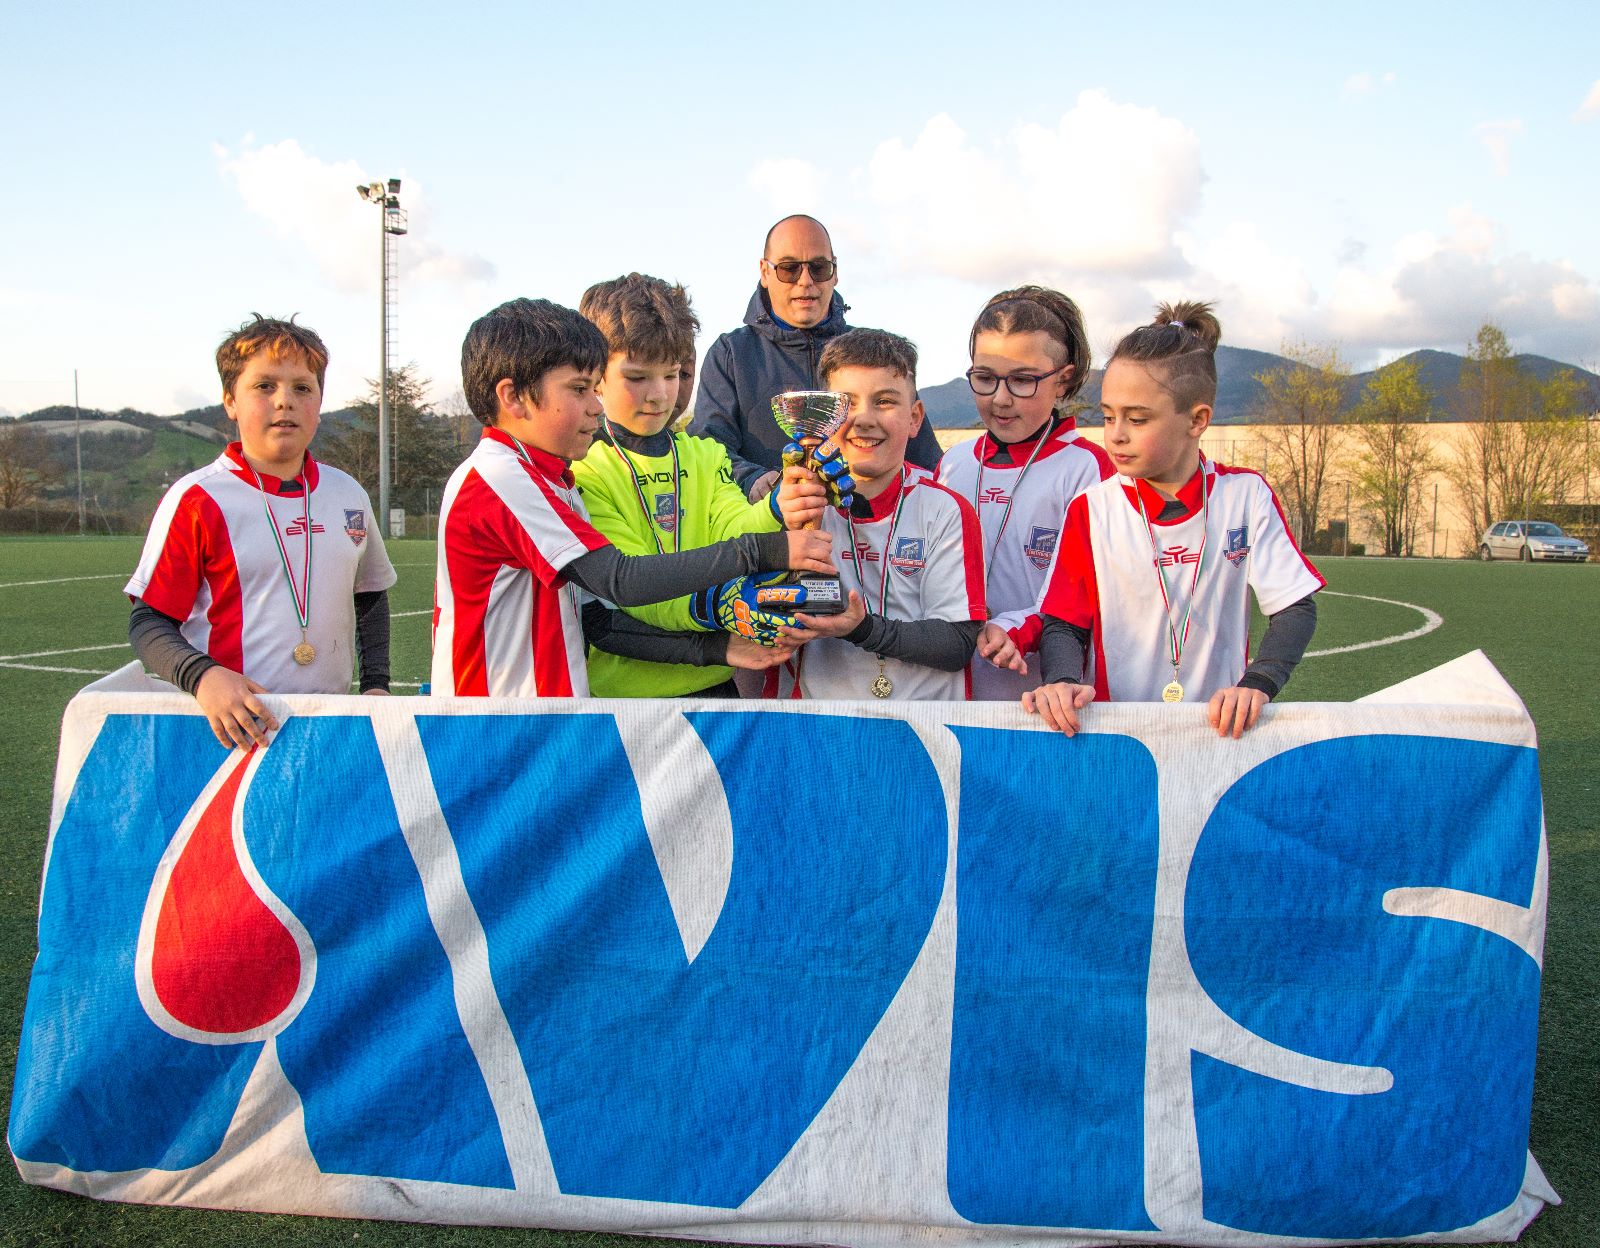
(1062, 648)
(1282, 646)
(944, 645)
(638, 580)
(372, 638)
(616, 632)
(159, 644)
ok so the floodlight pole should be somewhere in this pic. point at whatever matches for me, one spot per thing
(391, 221)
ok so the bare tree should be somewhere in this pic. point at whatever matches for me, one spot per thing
(1393, 457)
(1524, 445)
(1300, 413)
(26, 464)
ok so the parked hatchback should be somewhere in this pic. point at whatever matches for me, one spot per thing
(1529, 540)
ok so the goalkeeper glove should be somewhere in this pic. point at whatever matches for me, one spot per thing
(737, 607)
(826, 461)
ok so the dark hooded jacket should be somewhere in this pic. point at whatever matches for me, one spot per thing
(744, 369)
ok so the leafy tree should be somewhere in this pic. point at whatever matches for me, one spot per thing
(1300, 409)
(1394, 459)
(422, 442)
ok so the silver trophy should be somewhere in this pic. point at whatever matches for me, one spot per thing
(811, 417)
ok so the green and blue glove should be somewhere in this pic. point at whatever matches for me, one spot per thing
(748, 606)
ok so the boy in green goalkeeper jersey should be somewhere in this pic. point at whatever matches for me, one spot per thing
(650, 490)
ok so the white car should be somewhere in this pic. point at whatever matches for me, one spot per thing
(1528, 540)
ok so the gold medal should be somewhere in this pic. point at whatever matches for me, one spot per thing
(1172, 693)
(305, 653)
(882, 687)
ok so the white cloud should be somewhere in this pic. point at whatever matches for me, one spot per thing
(790, 185)
(1497, 137)
(1437, 289)
(1365, 83)
(1590, 108)
(1102, 204)
(1102, 190)
(313, 205)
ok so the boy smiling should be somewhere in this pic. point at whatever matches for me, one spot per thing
(911, 553)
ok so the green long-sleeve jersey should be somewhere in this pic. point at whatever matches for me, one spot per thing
(630, 499)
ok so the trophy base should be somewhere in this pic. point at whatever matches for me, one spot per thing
(824, 595)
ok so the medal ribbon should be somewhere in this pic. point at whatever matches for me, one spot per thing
(638, 491)
(888, 545)
(301, 596)
(988, 554)
(1177, 640)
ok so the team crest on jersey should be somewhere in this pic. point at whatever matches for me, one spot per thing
(1238, 545)
(1041, 545)
(666, 515)
(907, 558)
(355, 526)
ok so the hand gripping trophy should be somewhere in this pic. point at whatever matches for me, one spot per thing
(810, 418)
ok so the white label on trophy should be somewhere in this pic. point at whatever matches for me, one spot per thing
(819, 589)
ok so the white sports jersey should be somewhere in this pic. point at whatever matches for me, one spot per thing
(1105, 579)
(505, 622)
(1021, 506)
(935, 572)
(210, 561)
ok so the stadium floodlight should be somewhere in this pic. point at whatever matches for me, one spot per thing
(391, 223)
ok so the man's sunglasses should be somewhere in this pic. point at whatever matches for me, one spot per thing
(788, 271)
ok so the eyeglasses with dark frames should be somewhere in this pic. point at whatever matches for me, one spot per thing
(788, 271)
(1021, 385)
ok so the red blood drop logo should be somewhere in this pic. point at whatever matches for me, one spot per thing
(221, 960)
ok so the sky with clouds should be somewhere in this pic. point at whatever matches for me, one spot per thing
(1380, 177)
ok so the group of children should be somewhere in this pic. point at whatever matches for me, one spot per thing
(588, 547)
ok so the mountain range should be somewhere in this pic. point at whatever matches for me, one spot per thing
(1239, 395)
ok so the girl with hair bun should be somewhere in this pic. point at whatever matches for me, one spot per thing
(1155, 564)
(1030, 356)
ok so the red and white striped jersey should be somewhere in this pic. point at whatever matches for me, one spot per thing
(1021, 512)
(1105, 579)
(506, 623)
(210, 561)
(935, 572)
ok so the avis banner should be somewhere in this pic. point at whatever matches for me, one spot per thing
(828, 973)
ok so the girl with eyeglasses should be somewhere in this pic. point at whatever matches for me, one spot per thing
(1030, 356)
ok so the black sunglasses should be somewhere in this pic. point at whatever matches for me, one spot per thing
(788, 271)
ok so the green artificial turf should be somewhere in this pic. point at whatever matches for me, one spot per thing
(1536, 623)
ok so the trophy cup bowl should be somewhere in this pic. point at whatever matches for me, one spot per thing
(810, 417)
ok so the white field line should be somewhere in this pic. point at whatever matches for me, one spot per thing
(45, 654)
(1430, 621)
(35, 667)
(62, 580)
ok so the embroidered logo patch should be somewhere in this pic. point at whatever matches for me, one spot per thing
(1041, 546)
(666, 514)
(1238, 545)
(355, 526)
(907, 558)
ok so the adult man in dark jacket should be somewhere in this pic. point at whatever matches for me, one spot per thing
(793, 313)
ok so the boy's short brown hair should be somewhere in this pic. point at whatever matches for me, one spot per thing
(869, 348)
(523, 340)
(643, 318)
(278, 339)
